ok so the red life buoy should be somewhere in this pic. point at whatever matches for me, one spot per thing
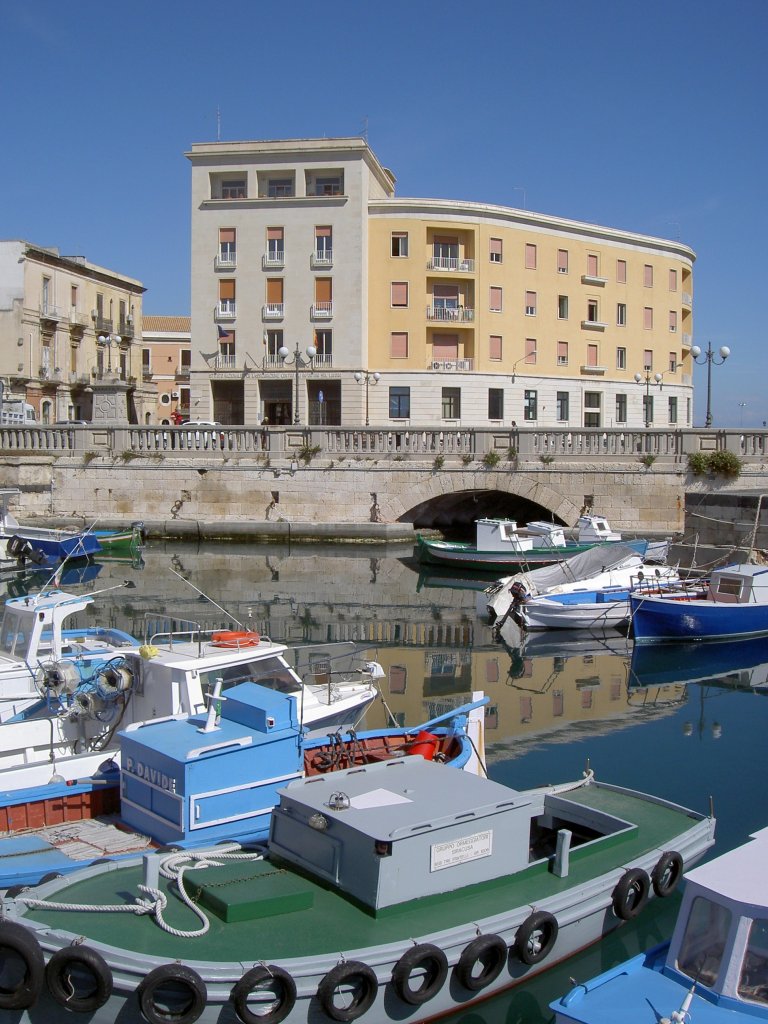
(232, 639)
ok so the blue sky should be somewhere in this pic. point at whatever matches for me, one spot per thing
(645, 116)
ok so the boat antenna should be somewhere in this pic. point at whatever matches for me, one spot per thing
(207, 598)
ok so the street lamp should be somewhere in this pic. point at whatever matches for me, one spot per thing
(109, 340)
(646, 379)
(366, 378)
(708, 357)
(299, 363)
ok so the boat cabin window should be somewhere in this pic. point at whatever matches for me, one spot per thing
(13, 639)
(268, 672)
(728, 586)
(703, 944)
(753, 982)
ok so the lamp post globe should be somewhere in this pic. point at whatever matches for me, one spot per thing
(709, 357)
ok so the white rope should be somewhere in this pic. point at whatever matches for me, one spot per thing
(153, 901)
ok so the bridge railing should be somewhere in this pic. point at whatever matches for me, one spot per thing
(401, 444)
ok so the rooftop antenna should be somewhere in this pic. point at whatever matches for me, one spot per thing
(218, 124)
(365, 129)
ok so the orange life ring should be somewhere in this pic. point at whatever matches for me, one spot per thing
(231, 638)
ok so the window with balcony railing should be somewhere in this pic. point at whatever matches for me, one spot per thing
(227, 309)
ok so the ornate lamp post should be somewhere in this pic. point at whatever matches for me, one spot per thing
(109, 340)
(366, 378)
(299, 363)
(647, 378)
(709, 358)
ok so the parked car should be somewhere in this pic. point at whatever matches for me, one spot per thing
(207, 434)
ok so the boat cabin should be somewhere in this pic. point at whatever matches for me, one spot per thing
(739, 584)
(720, 942)
(504, 535)
(212, 777)
(593, 529)
(393, 832)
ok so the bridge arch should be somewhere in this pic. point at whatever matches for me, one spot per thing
(430, 503)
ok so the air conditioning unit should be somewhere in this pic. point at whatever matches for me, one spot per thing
(174, 394)
(437, 365)
(94, 314)
(449, 366)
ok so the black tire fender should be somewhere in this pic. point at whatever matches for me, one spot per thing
(350, 972)
(432, 965)
(666, 876)
(179, 975)
(631, 893)
(490, 952)
(62, 988)
(265, 977)
(535, 937)
(17, 941)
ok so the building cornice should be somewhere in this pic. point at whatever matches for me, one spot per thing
(81, 267)
(446, 209)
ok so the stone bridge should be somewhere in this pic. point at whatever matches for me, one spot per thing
(278, 478)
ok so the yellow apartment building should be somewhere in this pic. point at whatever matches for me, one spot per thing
(320, 297)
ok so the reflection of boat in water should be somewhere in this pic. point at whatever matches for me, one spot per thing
(741, 664)
(562, 641)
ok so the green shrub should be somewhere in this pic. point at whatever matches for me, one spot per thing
(307, 452)
(546, 459)
(723, 463)
(466, 459)
(491, 459)
(647, 460)
(697, 463)
(439, 462)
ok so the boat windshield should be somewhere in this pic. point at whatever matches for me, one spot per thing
(704, 941)
(14, 637)
(270, 672)
(753, 982)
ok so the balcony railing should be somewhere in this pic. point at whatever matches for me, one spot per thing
(322, 258)
(273, 311)
(224, 362)
(451, 263)
(593, 325)
(324, 359)
(274, 258)
(226, 260)
(77, 319)
(687, 299)
(322, 310)
(226, 309)
(48, 311)
(102, 325)
(450, 314)
(125, 329)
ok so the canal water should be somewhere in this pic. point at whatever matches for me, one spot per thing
(687, 724)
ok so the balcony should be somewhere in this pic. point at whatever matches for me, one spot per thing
(273, 258)
(226, 309)
(125, 329)
(273, 311)
(596, 282)
(322, 258)
(224, 362)
(183, 372)
(687, 340)
(77, 321)
(323, 359)
(450, 314)
(50, 312)
(596, 371)
(452, 365)
(321, 310)
(451, 264)
(226, 260)
(687, 299)
(593, 325)
(100, 324)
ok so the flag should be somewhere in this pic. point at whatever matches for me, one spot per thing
(222, 332)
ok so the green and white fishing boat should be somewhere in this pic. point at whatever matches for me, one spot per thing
(397, 891)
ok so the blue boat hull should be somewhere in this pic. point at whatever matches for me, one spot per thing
(656, 618)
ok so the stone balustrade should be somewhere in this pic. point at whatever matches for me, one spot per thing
(398, 444)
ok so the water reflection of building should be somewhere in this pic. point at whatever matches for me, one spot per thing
(433, 648)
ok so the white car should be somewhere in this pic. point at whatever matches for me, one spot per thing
(208, 433)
